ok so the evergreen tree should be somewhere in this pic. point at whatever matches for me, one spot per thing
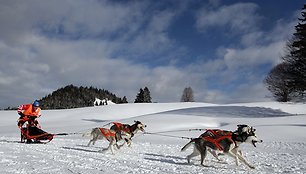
(298, 56)
(143, 96)
(124, 100)
(187, 95)
(140, 96)
(293, 76)
(146, 95)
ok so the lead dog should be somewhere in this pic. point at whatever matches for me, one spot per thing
(110, 135)
(225, 141)
(131, 129)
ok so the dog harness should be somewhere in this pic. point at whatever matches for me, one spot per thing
(122, 127)
(216, 135)
(107, 133)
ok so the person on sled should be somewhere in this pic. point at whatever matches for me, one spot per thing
(29, 113)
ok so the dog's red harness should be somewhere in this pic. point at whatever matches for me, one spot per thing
(216, 136)
(122, 127)
(107, 133)
(118, 125)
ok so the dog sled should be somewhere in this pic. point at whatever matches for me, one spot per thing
(33, 134)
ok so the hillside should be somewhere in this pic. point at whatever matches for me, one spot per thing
(75, 97)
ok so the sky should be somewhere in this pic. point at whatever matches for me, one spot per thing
(221, 49)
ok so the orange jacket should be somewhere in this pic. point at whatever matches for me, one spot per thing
(28, 110)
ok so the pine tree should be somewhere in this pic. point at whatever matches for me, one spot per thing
(124, 100)
(293, 77)
(143, 96)
(146, 95)
(298, 56)
(139, 97)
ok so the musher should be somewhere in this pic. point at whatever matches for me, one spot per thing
(29, 113)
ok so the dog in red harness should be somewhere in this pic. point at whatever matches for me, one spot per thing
(115, 134)
(109, 135)
(228, 142)
(131, 129)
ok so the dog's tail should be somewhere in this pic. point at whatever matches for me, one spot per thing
(88, 134)
(188, 144)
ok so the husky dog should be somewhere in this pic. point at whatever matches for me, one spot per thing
(225, 141)
(109, 135)
(114, 136)
(132, 129)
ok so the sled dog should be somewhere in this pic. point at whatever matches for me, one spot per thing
(115, 135)
(109, 135)
(225, 141)
(131, 129)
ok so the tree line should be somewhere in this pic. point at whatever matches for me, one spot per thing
(74, 97)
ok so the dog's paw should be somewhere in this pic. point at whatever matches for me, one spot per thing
(188, 160)
(252, 167)
(204, 165)
(103, 150)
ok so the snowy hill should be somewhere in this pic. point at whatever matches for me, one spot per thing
(281, 126)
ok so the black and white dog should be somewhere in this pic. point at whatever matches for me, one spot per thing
(225, 141)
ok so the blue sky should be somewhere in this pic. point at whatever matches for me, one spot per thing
(221, 49)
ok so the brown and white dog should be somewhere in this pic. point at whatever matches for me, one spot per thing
(110, 135)
(117, 133)
(225, 141)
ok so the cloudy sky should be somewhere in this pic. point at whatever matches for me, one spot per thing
(222, 49)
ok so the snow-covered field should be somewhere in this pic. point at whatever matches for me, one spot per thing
(281, 126)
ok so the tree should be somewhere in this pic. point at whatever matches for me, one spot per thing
(187, 95)
(139, 97)
(297, 56)
(146, 95)
(143, 96)
(124, 100)
(278, 81)
(290, 76)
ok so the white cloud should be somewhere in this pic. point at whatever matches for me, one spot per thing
(254, 56)
(107, 44)
(239, 17)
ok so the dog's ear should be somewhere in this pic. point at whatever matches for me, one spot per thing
(242, 125)
(252, 129)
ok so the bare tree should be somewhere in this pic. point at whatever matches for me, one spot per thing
(278, 83)
(187, 95)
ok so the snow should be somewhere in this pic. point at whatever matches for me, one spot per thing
(99, 102)
(281, 126)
